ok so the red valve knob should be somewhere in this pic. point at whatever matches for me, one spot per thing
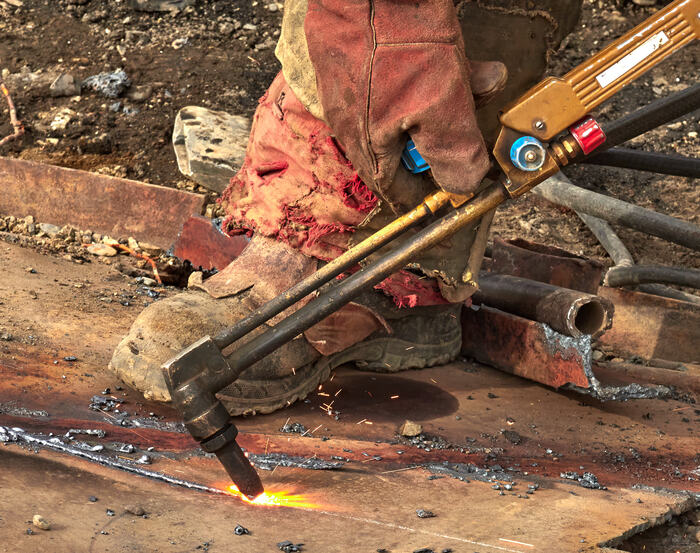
(588, 134)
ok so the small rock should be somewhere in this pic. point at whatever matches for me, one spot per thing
(272, 7)
(150, 249)
(195, 279)
(644, 2)
(100, 144)
(136, 37)
(210, 145)
(512, 436)
(172, 6)
(597, 355)
(102, 250)
(410, 429)
(250, 27)
(692, 134)
(6, 337)
(109, 512)
(92, 499)
(240, 530)
(111, 85)
(149, 281)
(140, 93)
(62, 119)
(422, 513)
(64, 85)
(133, 243)
(51, 230)
(41, 522)
(226, 28)
(178, 43)
(135, 510)
(289, 547)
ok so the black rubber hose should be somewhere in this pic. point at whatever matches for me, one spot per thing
(559, 190)
(659, 112)
(647, 274)
(653, 162)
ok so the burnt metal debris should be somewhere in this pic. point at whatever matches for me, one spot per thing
(422, 513)
(240, 530)
(290, 547)
(294, 427)
(586, 480)
(270, 461)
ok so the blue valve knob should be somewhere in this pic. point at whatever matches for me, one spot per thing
(412, 160)
(528, 154)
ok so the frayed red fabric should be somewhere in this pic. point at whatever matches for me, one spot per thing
(411, 290)
(297, 187)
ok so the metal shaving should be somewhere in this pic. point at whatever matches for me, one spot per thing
(274, 460)
(111, 85)
(588, 480)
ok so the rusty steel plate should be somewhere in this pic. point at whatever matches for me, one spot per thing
(205, 246)
(524, 348)
(546, 264)
(653, 327)
(108, 205)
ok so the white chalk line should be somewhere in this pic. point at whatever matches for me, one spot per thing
(409, 529)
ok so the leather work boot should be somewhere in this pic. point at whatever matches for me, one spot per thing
(420, 337)
(487, 79)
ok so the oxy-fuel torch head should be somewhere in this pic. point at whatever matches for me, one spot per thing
(223, 444)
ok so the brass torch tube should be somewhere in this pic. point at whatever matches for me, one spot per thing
(345, 291)
(332, 269)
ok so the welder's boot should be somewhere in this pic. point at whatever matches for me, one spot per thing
(418, 337)
(168, 326)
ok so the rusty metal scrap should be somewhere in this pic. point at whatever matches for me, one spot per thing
(546, 264)
(653, 327)
(535, 351)
(567, 311)
(203, 244)
(108, 205)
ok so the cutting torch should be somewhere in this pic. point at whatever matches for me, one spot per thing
(544, 130)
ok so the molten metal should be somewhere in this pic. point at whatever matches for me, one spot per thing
(276, 498)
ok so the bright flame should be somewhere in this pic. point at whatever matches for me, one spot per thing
(276, 498)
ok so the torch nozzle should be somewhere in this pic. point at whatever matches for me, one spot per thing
(237, 465)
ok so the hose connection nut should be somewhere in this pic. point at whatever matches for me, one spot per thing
(528, 154)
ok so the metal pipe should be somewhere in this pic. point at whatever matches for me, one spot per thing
(621, 256)
(659, 112)
(646, 274)
(346, 290)
(340, 264)
(654, 162)
(567, 311)
(559, 190)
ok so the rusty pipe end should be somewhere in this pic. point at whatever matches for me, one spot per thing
(589, 315)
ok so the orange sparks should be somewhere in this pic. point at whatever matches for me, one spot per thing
(324, 394)
(394, 397)
(276, 498)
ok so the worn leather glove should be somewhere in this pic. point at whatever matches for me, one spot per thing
(390, 69)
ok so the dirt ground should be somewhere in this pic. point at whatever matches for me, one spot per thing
(221, 55)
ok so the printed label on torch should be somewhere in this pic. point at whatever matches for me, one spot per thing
(632, 60)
